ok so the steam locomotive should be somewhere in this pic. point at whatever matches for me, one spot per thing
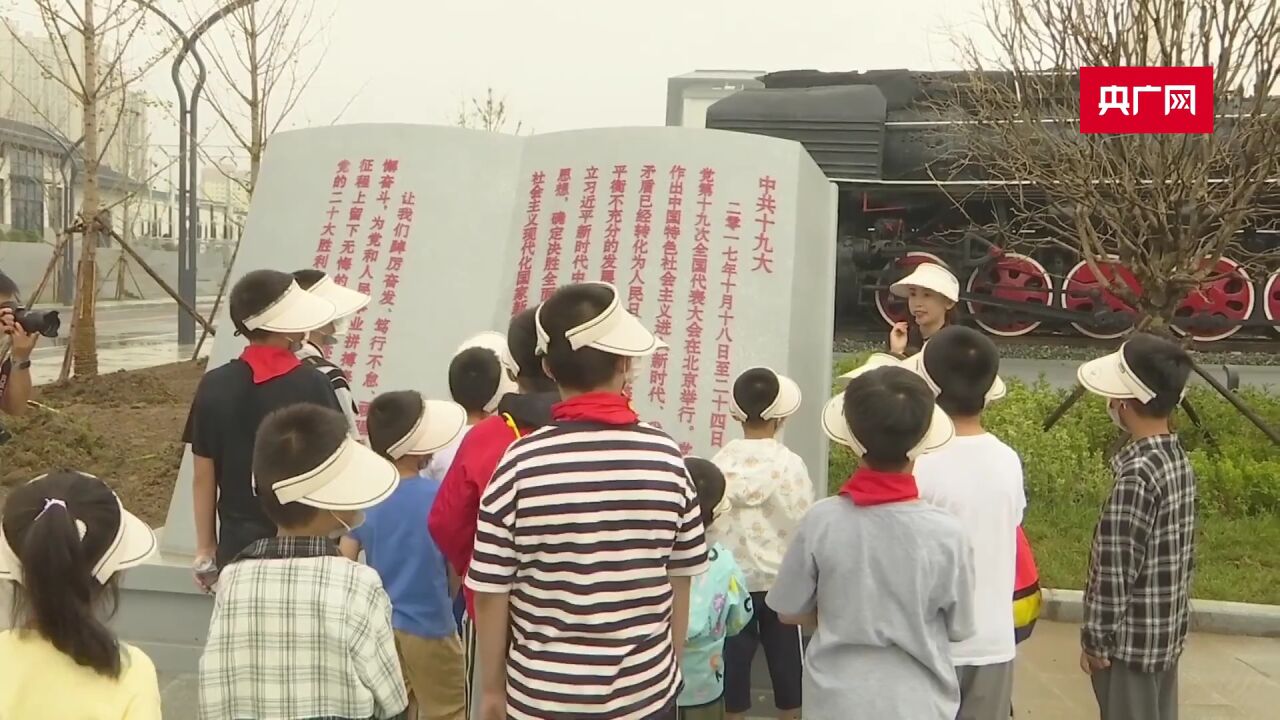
(875, 133)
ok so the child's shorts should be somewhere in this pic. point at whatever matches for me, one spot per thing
(782, 649)
(710, 711)
(433, 674)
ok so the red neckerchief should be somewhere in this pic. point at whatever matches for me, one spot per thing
(269, 363)
(602, 407)
(872, 487)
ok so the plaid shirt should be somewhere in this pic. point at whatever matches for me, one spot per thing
(299, 632)
(1137, 600)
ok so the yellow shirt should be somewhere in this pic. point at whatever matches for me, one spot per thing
(38, 682)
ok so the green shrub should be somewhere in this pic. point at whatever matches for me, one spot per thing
(1068, 477)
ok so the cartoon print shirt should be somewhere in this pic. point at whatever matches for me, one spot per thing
(719, 606)
(767, 490)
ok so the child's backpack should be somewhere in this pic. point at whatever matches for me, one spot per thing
(1026, 591)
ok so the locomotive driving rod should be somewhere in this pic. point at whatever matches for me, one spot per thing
(1222, 390)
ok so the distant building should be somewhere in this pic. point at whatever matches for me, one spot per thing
(34, 196)
(689, 95)
(30, 95)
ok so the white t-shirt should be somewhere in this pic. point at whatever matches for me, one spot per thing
(978, 479)
(767, 489)
(442, 460)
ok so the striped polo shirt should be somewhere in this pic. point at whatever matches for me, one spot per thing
(583, 523)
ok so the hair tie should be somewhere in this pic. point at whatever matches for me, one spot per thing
(81, 528)
(52, 502)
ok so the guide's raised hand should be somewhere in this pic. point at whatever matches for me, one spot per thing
(898, 338)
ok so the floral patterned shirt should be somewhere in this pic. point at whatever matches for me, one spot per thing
(719, 606)
(767, 490)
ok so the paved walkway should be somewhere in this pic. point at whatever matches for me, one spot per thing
(1223, 678)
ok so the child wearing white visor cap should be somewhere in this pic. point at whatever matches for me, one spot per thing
(481, 374)
(589, 535)
(767, 491)
(931, 292)
(978, 479)
(298, 631)
(1137, 596)
(407, 429)
(346, 302)
(887, 580)
(65, 540)
(270, 310)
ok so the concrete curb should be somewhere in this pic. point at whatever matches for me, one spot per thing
(1207, 616)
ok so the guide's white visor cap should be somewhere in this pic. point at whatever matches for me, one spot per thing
(352, 478)
(940, 431)
(1111, 377)
(134, 543)
(614, 331)
(295, 311)
(440, 423)
(345, 300)
(929, 276)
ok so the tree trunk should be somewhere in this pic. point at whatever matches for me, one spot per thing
(85, 338)
(257, 127)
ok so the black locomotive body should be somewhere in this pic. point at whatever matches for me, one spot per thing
(877, 134)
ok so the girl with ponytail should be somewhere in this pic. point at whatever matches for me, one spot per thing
(64, 538)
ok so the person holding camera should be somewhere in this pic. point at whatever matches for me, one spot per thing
(15, 370)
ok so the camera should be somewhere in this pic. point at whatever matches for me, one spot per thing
(37, 322)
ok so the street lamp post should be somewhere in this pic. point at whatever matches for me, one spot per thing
(188, 150)
(66, 272)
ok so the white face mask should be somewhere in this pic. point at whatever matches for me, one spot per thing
(346, 529)
(1113, 412)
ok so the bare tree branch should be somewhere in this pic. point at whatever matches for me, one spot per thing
(487, 114)
(1168, 206)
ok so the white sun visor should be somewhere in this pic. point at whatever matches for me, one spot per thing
(352, 478)
(784, 405)
(439, 424)
(873, 361)
(293, 312)
(345, 301)
(940, 431)
(133, 544)
(1111, 377)
(929, 276)
(918, 364)
(614, 331)
(497, 344)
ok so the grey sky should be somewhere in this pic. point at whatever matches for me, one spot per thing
(575, 63)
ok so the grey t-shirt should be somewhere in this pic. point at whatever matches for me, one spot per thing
(893, 587)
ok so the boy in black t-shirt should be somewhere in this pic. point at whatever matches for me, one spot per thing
(274, 314)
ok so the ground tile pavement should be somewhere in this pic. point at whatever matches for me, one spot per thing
(1222, 678)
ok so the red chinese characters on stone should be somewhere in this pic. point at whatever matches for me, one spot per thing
(555, 245)
(386, 298)
(766, 207)
(667, 281)
(723, 374)
(528, 242)
(586, 214)
(617, 189)
(697, 301)
(563, 179)
(328, 231)
(640, 244)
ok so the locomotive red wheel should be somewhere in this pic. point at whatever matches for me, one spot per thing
(1271, 299)
(1015, 278)
(892, 308)
(1228, 294)
(1081, 285)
